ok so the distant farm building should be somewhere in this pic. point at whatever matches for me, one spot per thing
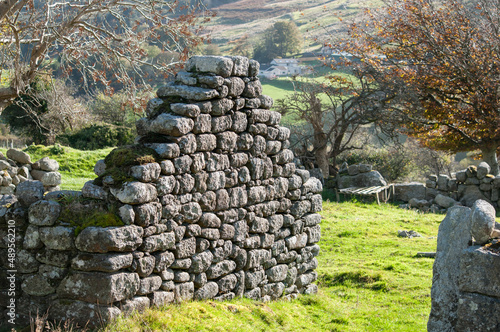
(282, 67)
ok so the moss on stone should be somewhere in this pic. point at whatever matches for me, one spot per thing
(81, 213)
(120, 160)
(130, 155)
(99, 219)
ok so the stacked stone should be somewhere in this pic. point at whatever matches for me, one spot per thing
(441, 192)
(17, 168)
(223, 214)
(465, 285)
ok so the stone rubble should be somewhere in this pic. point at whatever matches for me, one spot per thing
(17, 167)
(222, 212)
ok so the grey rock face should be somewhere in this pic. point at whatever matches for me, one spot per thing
(186, 92)
(90, 190)
(28, 192)
(482, 170)
(57, 238)
(102, 240)
(477, 313)
(19, 156)
(444, 201)
(135, 193)
(482, 221)
(100, 288)
(48, 165)
(100, 167)
(44, 213)
(453, 237)
(102, 262)
(208, 291)
(218, 65)
(82, 313)
(369, 179)
(146, 173)
(406, 191)
(477, 272)
(471, 195)
(165, 150)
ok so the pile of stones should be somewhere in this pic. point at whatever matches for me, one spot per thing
(17, 168)
(222, 211)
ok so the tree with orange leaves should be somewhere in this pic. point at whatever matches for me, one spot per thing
(441, 61)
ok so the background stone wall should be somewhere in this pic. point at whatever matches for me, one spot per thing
(442, 191)
(220, 211)
(439, 193)
(17, 168)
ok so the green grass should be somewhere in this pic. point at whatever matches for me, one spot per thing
(369, 280)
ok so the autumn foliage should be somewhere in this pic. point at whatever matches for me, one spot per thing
(440, 60)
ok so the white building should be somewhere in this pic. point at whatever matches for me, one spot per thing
(282, 67)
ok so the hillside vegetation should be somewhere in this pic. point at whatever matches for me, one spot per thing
(315, 18)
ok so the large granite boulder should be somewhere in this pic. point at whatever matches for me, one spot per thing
(453, 237)
(368, 179)
(406, 191)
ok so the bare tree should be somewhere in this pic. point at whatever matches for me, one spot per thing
(103, 39)
(335, 112)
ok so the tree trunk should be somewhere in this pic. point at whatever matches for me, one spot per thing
(321, 155)
(490, 157)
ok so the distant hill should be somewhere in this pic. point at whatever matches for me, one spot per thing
(315, 18)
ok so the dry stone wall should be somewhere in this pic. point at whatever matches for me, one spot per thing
(17, 167)
(441, 192)
(221, 212)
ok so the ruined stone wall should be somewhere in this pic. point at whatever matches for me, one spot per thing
(442, 191)
(221, 211)
(17, 167)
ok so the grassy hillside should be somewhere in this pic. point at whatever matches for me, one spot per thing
(315, 18)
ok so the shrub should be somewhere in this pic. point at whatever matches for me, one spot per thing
(402, 162)
(98, 136)
(392, 162)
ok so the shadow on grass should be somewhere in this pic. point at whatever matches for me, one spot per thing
(357, 279)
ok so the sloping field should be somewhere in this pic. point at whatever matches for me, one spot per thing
(316, 19)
